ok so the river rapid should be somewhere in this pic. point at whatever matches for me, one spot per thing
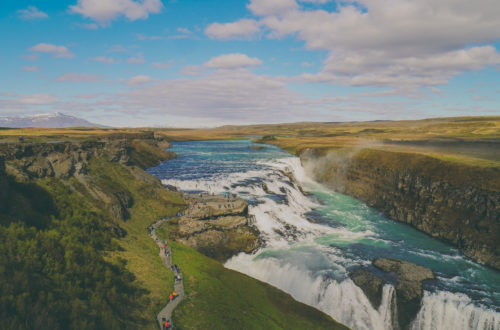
(313, 237)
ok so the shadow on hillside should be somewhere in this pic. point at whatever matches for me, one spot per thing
(24, 202)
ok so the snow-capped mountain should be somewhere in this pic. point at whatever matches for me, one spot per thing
(53, 120)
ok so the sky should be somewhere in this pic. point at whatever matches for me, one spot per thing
(193, 63)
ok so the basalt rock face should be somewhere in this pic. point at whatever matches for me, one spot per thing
(219, 238)
(68, 161)
(64, 159)
(60, 160)
(217, 232)
(371, 284)
(406, 278)
(408, 286)
(456, 203)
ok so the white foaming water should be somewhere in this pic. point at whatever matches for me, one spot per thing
(290, 245)
(344, 301)
(446, 310)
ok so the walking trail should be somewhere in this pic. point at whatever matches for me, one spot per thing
(166, 256)
(199, 206)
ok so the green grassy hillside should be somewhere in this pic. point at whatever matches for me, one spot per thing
(220, 298)
(75, 253)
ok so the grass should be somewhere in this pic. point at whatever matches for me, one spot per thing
(107, 182)
(217, 297)
(220, 298)
(296, 137)
(151, 202)
(458, 174)
(465, 137)
(70, 134)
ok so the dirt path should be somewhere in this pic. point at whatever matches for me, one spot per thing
(166, 256)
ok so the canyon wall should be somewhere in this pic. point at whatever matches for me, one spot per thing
(456, 203)
(78, 163)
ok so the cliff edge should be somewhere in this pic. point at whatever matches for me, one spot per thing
(456, 203)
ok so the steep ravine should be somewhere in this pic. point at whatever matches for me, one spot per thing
(455, 203)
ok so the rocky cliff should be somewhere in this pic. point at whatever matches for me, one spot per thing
(217, 226)
(72, 162)
(406, 277)
(455, 203)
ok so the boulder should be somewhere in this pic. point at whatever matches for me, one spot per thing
(407, 279)
(371, 285)
(409, 292)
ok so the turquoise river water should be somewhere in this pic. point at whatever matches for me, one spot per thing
(311, 260)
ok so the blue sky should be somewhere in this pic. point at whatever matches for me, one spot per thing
(210, 63)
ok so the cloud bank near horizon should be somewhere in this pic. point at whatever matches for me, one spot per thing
(275, 60)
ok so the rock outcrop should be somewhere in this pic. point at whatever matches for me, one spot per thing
(71, 162)
(371, 284)
(456, 203)
(409, 290)
(60, 160)
(406, 277)
(217, 226)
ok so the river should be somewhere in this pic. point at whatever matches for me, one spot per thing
(313, 237)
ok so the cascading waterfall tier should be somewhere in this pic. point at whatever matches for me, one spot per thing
(313, 240)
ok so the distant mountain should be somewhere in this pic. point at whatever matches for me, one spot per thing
(53, 120)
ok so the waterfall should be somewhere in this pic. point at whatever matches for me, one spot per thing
(296, 259)
(446, 310)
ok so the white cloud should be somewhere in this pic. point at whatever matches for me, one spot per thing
(78, 77)
(232, 61)
(183, 33)
(57, 51)
(163, 65)
(32, 12)
(31, 57)
(316, 2)
(192, 70)
(31, 68)
(117, 49)
(39, 99)
(139, 80)
(369, 69)
(104, 59)
(88, 26)
(223, 96)
(272, 7)
(139, 59)
(184, 30)
(12, 100)
(390, 42)
(142, 37)
(104, 11)
(242, 29)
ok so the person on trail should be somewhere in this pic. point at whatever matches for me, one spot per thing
(175, 294)
(166, 325)
(171, 296)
